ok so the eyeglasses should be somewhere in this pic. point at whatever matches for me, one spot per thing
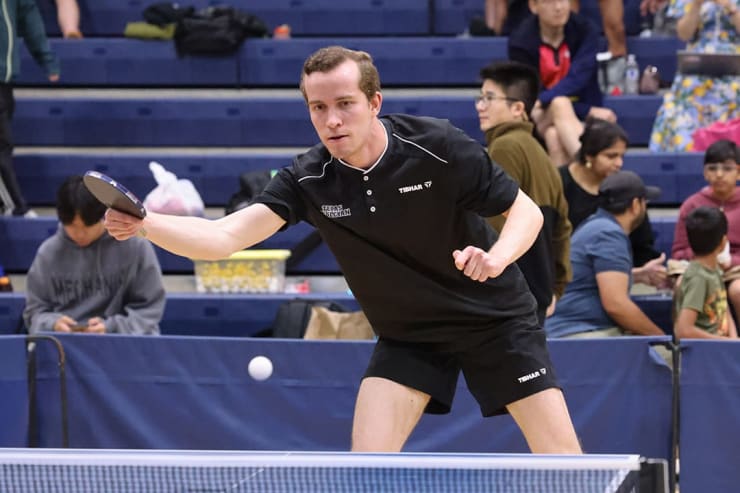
(725, 168)
(487, 98)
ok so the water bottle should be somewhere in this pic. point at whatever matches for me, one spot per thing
(631, 76)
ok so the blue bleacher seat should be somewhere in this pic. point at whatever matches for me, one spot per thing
(233, 315)
(242, 315)
(256, 121)
(635, 114)
(193, 314)
(23, 237)
(215, 175)
(129, 62)
(658, 308)
(11, 311)
(663, 228)
(418, 61)
(113, 62)
(306, 17)
(677, 174)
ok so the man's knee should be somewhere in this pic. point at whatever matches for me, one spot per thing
(386, 413)
(733, 291)
(560, 106)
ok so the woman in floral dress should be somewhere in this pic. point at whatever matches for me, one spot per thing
(695, 101)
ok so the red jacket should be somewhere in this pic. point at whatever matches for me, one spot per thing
(731, 208)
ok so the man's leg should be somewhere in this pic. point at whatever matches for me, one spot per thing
(555, 148)
(7, 172)
(68, 17)
(566, 121)
(612, 18)
(733, 295)
(386, 413)
(545, 422)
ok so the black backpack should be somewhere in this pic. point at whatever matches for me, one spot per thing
(163, 13)
(216, 31)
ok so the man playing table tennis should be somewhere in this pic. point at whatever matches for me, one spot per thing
(399, 200)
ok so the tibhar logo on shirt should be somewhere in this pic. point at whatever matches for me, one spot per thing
(415, 188)
(533, 375)
(334, 211)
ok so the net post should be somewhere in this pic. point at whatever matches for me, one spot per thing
(61, 365)
(674, 346)
(654, 477)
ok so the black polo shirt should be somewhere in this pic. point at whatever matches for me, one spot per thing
(393, 228)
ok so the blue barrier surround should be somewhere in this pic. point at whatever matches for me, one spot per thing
(410, 62)
(254, 122)
(710, 416)
(14, 408)
(139, 392)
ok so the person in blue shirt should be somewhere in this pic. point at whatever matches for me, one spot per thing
(597, 302)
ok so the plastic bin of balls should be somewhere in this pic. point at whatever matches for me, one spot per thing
(248, 271)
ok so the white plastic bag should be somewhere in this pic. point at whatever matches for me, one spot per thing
(173, 196)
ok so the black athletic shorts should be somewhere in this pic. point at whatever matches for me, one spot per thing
(500, 366)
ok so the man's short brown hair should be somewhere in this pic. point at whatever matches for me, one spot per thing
(329, 58)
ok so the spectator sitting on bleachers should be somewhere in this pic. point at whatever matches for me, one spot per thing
(603, 145)
(597, 301)
(700, 302)
(68, 16)
(721, 161)
(501, 18)
(561, 46)
(20, 18)
(696, 101)
(83, 280)
(508, 93)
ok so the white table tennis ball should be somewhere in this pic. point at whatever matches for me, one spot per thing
(260, 368)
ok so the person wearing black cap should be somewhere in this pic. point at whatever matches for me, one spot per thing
(597, 302)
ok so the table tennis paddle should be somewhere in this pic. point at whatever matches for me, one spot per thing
(113, 194)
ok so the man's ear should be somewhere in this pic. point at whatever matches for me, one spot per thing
(521, 111)
(636, 205)
(376, 102)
